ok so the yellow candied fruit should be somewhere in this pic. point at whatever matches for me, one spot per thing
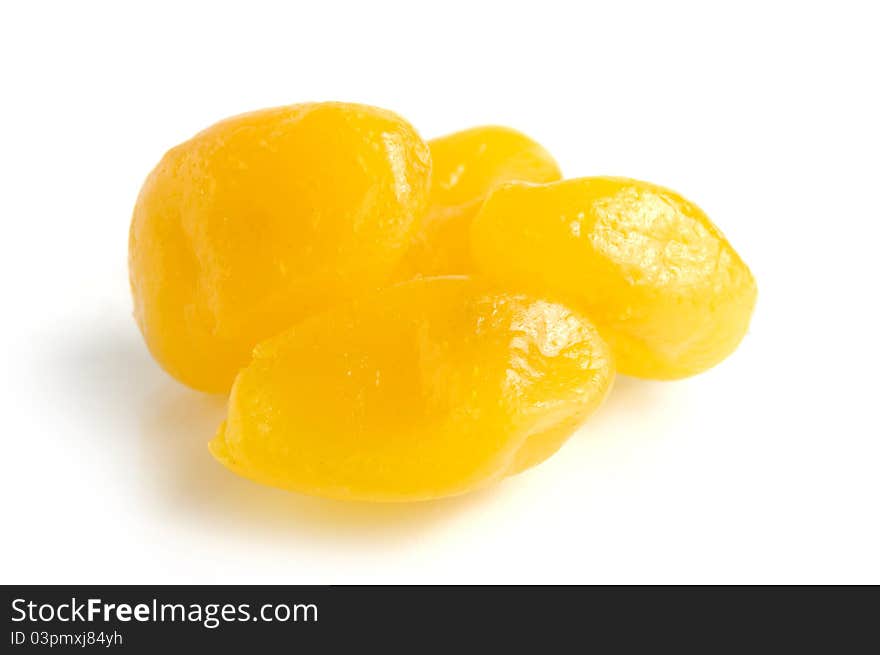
(666, 289)
(429, 388)
(263, 219)
(467, 165)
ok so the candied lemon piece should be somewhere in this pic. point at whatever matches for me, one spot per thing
(264, 218)
(666, 289)
(466, 166)
(429, 388)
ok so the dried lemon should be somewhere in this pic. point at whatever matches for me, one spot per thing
(264, 218)
(666, 289)
(426, 389)
(467, 165)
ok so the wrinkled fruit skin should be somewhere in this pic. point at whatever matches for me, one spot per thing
(263, 219)
(666, 289)
(430, 388)
(467, 165)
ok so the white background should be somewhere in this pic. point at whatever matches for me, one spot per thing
(762, 470)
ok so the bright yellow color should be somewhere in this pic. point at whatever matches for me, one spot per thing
(666, 289)
(263, 219)
(467, 165)
(429, 388)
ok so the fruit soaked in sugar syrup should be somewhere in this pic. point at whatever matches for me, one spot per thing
(426, 389)
(467, 165)
(666, 289)
(263, 219)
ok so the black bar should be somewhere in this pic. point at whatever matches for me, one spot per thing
(417, 619)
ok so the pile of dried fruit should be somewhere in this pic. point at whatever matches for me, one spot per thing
(401, 320)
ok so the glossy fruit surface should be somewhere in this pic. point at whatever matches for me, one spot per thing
(467, 165)
(263, 219)
(430, 388)
(666, 289)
